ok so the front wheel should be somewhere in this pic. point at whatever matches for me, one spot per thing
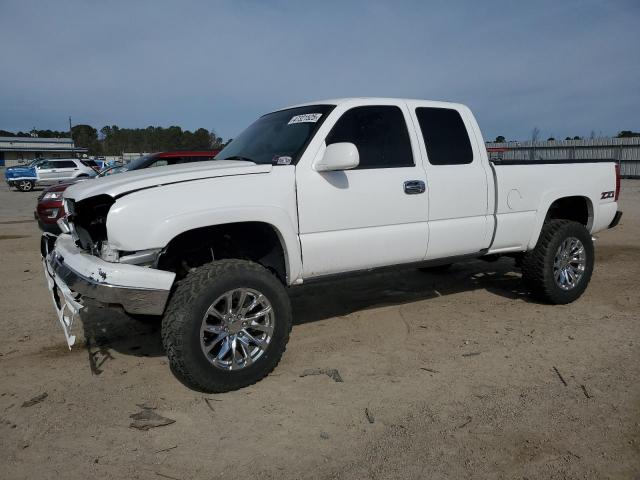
(25, 185)
(226, 326)
(559, 268)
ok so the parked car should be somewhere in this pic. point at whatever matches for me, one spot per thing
(49, 171)
(306, 194)
(23, 177)
(49, 208)
(162, 159)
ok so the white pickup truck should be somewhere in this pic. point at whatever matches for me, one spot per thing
(306, 193)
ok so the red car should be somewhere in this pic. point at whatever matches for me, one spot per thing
(50, 209)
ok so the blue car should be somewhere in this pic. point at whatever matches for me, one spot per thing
(23, 177)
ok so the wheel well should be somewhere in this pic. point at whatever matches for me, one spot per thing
(255, 241)
(577, 209)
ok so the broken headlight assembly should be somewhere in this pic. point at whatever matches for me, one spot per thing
(141, 258)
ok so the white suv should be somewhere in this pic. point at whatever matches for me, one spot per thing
(57, 170)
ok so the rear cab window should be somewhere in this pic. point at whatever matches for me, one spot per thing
(380, 134)
(445, 136)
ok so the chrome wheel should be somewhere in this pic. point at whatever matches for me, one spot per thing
(237, 329)
(25, 185)
(569, 263)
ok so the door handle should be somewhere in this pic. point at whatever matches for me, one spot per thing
(414, 187)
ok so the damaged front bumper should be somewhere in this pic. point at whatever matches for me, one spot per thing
(72, 275)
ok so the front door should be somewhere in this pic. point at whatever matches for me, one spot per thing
(373, 215)
(46, 172)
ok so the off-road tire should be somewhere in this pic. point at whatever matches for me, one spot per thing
(437, 269)
(184, 314)
(537, 265)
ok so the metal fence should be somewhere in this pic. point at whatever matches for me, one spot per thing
(625, 151)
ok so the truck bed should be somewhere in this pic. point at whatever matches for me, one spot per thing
(524, 188)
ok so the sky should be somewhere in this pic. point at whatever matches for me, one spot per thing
(565, 67)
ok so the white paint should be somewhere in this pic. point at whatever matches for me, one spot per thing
(115, 185)
(540, 186)
(339, 221)
(514, 199)
(352, 219)
(152, 217)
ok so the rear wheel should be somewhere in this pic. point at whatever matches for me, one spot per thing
(559, 268)
(226, 326)
(25, 185)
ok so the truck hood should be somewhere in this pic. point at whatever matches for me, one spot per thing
(122, 183)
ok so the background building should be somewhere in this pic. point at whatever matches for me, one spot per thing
(20, 150)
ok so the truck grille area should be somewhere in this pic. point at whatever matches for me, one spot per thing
(89, 220)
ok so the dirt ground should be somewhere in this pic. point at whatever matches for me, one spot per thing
(456, 375)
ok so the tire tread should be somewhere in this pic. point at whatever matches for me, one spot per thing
(536, 271)
(173, 323)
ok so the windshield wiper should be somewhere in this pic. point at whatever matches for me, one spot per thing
(239, 157)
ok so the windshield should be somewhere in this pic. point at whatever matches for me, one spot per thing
(278, 137)
(138, 163)
(132, 165)
(36, 162)
(111, 170)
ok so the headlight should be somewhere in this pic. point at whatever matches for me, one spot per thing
(142, 258)
(52, 196)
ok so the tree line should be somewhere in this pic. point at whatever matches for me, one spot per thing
(113, 140)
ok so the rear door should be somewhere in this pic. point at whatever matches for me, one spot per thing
(459, 219)
(365, 217)
(64, 169)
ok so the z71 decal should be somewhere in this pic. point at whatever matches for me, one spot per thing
(607, 195)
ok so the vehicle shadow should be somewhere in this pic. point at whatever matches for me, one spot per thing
(324, 300)
(107, 330)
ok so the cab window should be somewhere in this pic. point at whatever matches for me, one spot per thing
(380, 134)
(445, 136)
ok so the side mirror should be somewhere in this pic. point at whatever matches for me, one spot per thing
(338, 156)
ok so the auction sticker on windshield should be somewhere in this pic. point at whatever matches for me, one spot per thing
(306, 118)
